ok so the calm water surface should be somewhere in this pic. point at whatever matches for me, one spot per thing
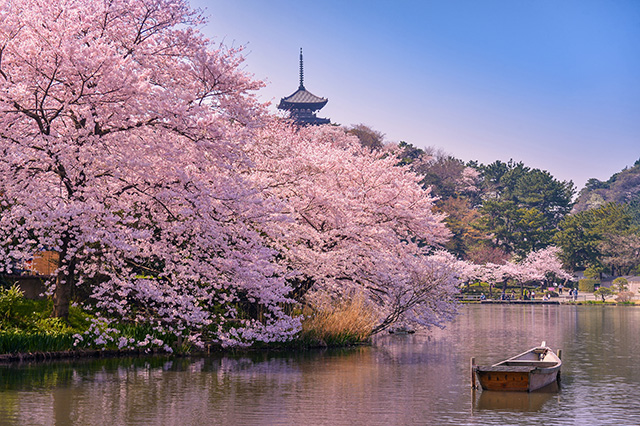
(420, 379)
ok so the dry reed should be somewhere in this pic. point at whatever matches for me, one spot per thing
(350, 321)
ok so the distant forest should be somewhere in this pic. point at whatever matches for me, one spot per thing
(499, 211)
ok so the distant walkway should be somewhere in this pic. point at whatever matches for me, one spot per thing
(565, 298)
(522, 302)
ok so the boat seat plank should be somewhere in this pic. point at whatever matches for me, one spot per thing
(541, 364)
(503, 368)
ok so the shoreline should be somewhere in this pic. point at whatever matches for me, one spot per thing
(18, 357)
(79, 354)
(591, 302)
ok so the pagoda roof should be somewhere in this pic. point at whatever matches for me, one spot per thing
(302, 99)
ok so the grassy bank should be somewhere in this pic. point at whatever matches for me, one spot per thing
(26, 327)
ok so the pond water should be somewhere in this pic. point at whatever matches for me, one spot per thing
(419, 379)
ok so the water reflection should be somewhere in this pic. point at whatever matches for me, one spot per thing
(515, 401)
(419, 379)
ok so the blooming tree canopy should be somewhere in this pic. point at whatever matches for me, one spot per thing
(120, 133)
(535, 267)
(135, 149)
(357, 224)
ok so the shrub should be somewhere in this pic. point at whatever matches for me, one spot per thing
(603, 292)
(621, 284)
(624, 297)
(9, 298)
(587, 284)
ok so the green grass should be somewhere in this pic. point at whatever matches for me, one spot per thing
(19, 342)
(26, 326)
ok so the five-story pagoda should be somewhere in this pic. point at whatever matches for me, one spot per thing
(303, 104)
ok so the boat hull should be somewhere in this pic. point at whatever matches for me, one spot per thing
(529, 371)
(525, 380)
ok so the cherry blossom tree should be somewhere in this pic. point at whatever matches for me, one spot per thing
(120, 133)
(542, 263)
(357, 224)
(537, 266)
(135, 149)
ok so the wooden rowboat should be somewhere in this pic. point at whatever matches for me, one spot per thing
(531, 370)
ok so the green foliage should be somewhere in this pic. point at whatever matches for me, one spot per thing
(509, 207)
(9, 298)
(593, 272)
(603, 292)
(581, 235)
(621, 284)
(621, 252)
(20, 342)
(34, 316)
(529, 188)
(476, 288)
(26, 325)
(522, 206)
(578, 239)
(515, 229)
(587, 284)
(409, 153)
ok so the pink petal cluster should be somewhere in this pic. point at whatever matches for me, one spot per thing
(535, 267)
(355, 224)
(135, 148)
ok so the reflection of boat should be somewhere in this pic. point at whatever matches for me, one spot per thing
(531, 370)
(515, 401)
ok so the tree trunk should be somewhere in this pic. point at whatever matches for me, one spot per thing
(521, 290)
(62, 296)
(64, 283)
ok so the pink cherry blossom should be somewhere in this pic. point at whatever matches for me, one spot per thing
(136, 149)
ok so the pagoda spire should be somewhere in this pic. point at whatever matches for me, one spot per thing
(301, 72)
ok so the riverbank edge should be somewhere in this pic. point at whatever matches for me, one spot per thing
(548, 302)
(74, 354)
(19, 357)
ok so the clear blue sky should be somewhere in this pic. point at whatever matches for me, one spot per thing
(552, 83)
